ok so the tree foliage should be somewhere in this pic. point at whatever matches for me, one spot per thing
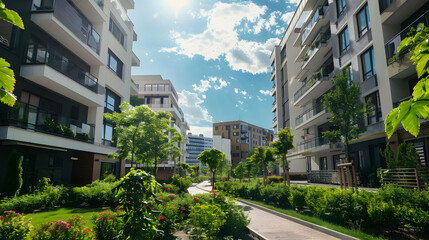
(406, 157)
(212, 159)
(262, 155)
(240, 170)
(410, 112)
(7, 76)
(283, 144)
(346, 108)
(184, 167)
(13, 176)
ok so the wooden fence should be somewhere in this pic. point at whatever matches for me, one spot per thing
(406, 177)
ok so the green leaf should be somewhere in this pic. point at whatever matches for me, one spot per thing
(7, 77)
(391, 122)
(421, 65)
(411, 123)
(10, 16)
(421, 109)
(7, 97)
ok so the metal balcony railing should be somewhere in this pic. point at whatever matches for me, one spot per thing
(324, 71)
(34, 118)
(72, 18)
(311, 143)
(306, 115)
(67, 67)
(393, 44)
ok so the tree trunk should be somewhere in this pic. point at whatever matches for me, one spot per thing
(288, 177)
(284, 173)
(264, 172)
(213, 179)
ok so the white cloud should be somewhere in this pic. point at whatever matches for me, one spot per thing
(236, 90)
(243, 92)
(147, 54)
(220, 39)
(287, 17)
(205, 85)
(241, 102)
(222, 84)
(293, 1)
(155, 15)
(259, 98)
(151, 60)
(204, 96)
(280, 31)
(266, 92)
(196, 130)
(191, 104)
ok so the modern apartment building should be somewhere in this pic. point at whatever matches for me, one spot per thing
(244, 137)
(196, 145)
(159, 95)
(323, 38)
(72, 64)
(223, 145)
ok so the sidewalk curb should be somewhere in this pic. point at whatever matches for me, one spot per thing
(302, 222)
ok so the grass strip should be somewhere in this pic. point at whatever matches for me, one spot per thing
(351, 232)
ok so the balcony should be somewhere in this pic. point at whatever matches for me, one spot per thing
(393, 44)
(61, 75)
(396, 104)
(92, 9)
(317, 52)
(135, 60)
(384, 4)
(312, 117)
(315, 23)
(273, 89)
(317, 145)
(317, 85)
(395, 12)
(70, 27)
(33, 118)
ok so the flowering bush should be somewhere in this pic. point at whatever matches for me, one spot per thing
(73, 228)
(172, 196)
(206, 219)
(107, 225)
(13, 226)
(170, 188)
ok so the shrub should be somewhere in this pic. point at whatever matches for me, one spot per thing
(73, 228)
(96, 194)
(13, 175)
(50, 197)
(110, 178)
(275, 179)
(107, 225)
(170, 188)
(68, 132)
(13, 226)
(83, 136)
(297, 198)
(206, 220)
(236, 220)
(182, 183)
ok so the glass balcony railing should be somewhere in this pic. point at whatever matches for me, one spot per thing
(274, 119)
(306, 115)
(320, 12)
(322, 39)
(72, 18)
(324, 71)
(67, 67)
(393, 44)
(384, 4)
(311, 143)
(100, 3)
(33, 118)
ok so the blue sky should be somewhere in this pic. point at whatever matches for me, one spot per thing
(216, 53)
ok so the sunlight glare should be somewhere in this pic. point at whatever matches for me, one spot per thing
(176, 5)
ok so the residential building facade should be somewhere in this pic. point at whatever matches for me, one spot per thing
(223, 145)
(323, 38)
(244, 137)
(72, 64)
(196, 145)
(160, 95)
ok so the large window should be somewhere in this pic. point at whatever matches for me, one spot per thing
(363, 21)
(7, 33)
(116, 31)
(112, 101)
(368, 65)
(343, 38)
(374, 103)
(115, 64)
(341, 6)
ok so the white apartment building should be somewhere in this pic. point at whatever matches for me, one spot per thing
(323, 38)
(73, 64)
(159, 95)
(223, 145)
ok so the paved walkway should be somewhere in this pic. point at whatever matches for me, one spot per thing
(269, 225)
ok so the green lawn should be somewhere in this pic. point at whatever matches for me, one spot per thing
(355, 233)
(63, 214)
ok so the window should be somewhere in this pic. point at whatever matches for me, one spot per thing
(374, 103)
(235, 126)
(323, 163)
(344, 40)
(237, 140)
(237, 148)
(115, 64)
(7, 32)
(368, 65)
(363, 21)
(341, 7)
(107, 132)
(112, 101)
(116, 31)
(235, 134)
(216, 128)
(349, 72)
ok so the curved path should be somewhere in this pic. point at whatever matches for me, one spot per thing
(274, 226)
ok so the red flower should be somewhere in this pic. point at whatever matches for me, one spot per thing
(195, 199)
(172, 196)
(168, 189)
(160, 198)
(118, 207)
(9, 212)
(1, 218)
(162, 217)
(183, 208)
(18, 215)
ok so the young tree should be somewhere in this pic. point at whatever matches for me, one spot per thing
(283, 144)
(406, 157)
(271, 167)
(262, 155)
(212, 159)
(7, 76)
(195, 170)
(129, 131)
(346, 108)
(205, 171)
(13, 175)
(184, 167)
(240, 170)
(410, 112)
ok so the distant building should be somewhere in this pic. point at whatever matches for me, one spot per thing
(159, 95)
(196, 145)
(244, 137)
(223, 145)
